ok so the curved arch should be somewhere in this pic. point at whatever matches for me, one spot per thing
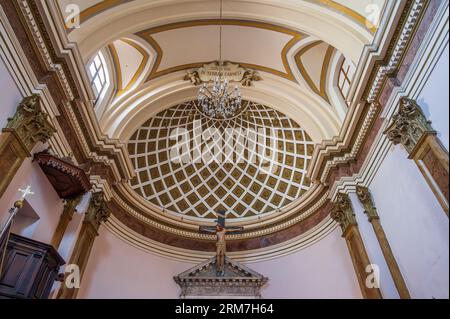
(309, 110)
(331, 26)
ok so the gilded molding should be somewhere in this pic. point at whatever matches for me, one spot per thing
(365, 197)
(409, 125)
(155, 73)
(176, 230)
(343, 213)
(105, 5)
(30, 124)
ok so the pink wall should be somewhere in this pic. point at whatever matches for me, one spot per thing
(45, 202)
(323, 270)
(118, 270)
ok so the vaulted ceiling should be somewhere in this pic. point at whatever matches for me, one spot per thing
(302, 42)
(298, 48)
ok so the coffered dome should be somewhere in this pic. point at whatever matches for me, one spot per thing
(251, 165)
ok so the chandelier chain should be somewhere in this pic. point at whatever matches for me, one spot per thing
(219, 101)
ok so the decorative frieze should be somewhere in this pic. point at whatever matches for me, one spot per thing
(228, 70)
(238, 281)
(409, 125)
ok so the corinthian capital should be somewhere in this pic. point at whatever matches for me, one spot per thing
(343, 213)
(29, 123)
(98, 211)
(409, 125)
(365, 197)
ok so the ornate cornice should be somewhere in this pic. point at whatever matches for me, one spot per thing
(30, 124)
(68, 179)
(40, 40)
(61, 59)
(397, 51)
(365, 197)
(343, 213)
(409, 125)
(163, 223)
(345, 148)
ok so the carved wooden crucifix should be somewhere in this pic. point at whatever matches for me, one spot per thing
(221, 247)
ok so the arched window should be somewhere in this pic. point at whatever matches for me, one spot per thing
(345, 78)
(99, 76)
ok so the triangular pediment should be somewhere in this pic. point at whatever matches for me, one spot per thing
(207, 270)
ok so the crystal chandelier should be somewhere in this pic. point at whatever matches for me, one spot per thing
(220, 101)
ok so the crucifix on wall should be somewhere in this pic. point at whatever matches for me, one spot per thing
(221, 231)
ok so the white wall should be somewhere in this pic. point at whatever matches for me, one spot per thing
(387, 286)
(415, 225)
(434, 98)
(118, 270)
(10, 95)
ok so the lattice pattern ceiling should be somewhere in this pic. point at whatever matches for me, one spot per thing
(242, 182)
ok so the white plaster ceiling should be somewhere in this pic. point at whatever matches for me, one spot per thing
(240, 43)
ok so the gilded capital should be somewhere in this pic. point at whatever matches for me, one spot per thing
(343, 213)
(365, 197)
(98, 211)
(29, 122)
(409, 125)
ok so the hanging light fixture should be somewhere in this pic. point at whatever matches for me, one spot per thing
(219, 101)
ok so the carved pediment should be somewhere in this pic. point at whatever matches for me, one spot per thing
(238, 281)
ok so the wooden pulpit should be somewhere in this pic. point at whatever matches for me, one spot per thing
(30, 269)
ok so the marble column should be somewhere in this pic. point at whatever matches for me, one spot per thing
(344, 215)
(28, 126)
(365, 197)
(64, 220)
(96, 214)
(411, 128)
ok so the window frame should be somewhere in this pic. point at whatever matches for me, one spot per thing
(99, 71)
(344, 73)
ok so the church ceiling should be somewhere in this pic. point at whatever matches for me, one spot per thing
(252, 165)
(296, 46)
(355, 10)
(254, 45)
